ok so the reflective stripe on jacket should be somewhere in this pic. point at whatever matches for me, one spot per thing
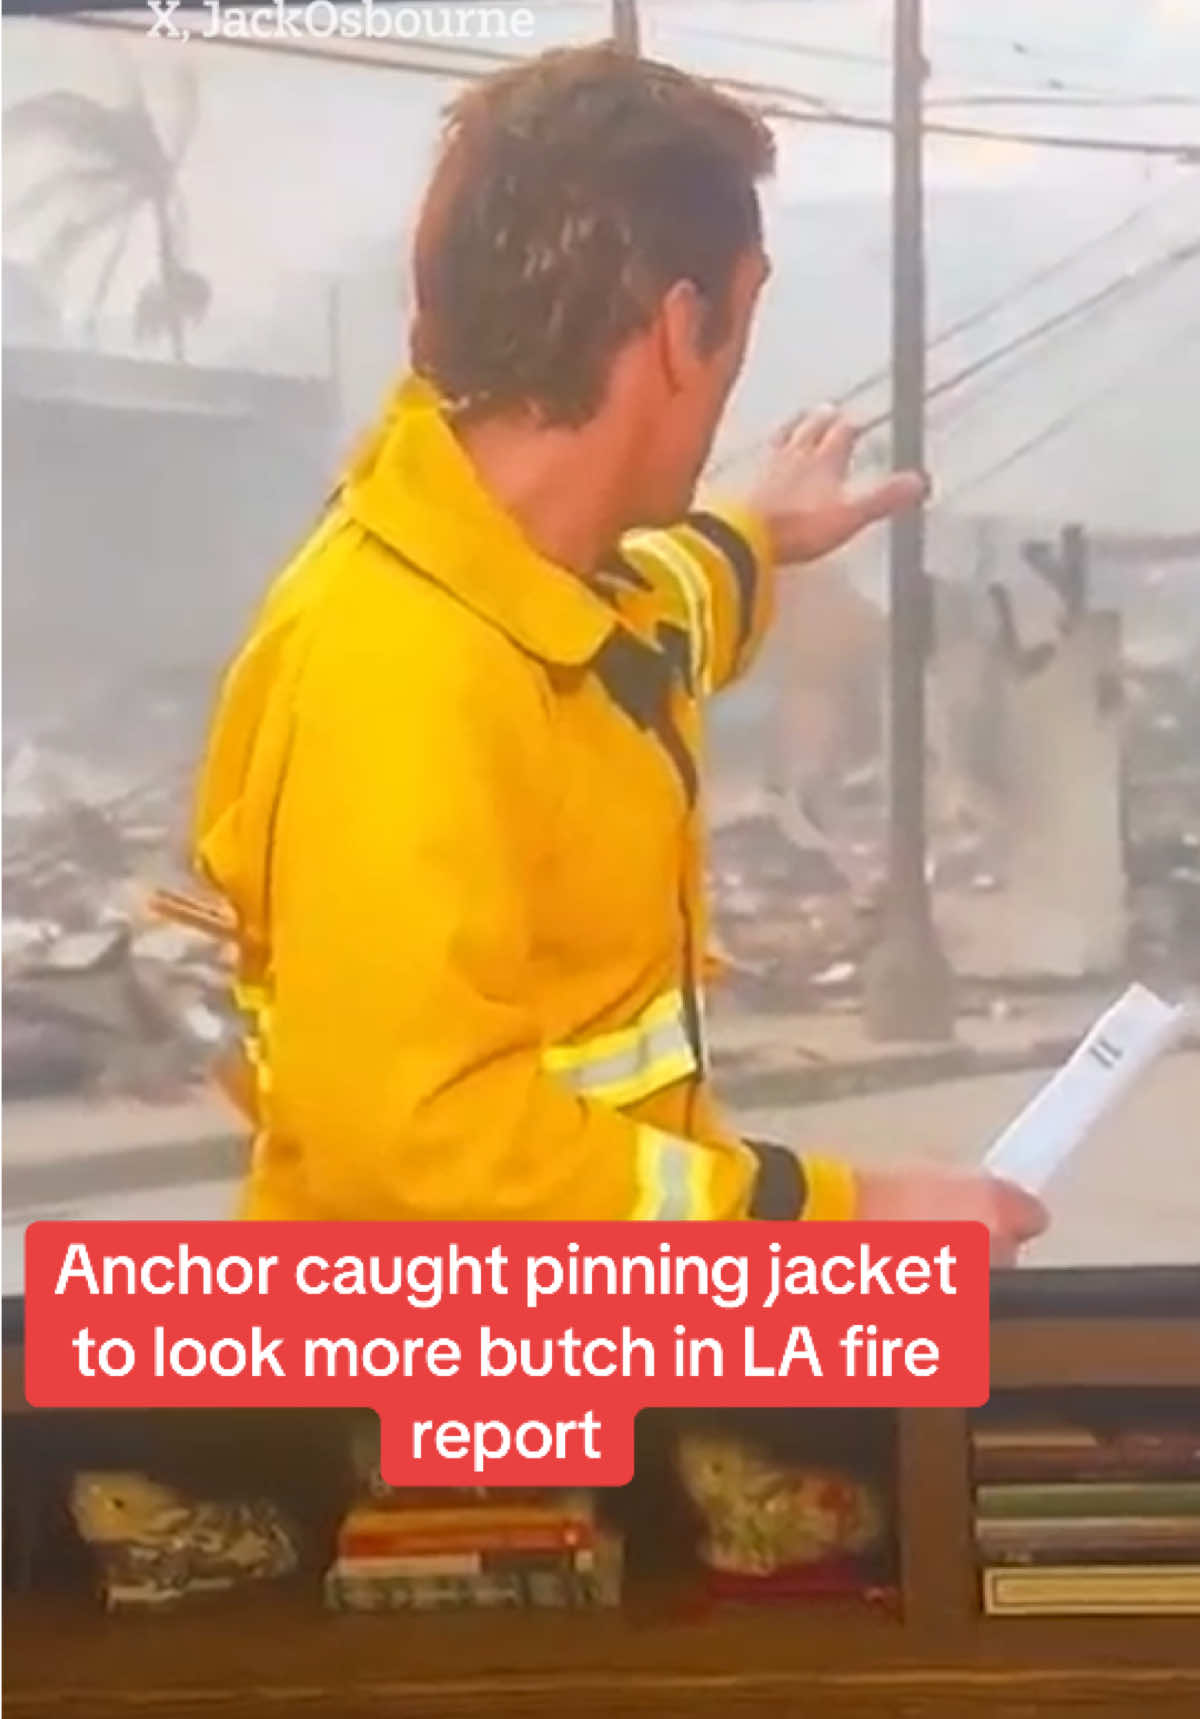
(452, 797)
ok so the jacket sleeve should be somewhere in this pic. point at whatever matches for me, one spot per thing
(404, 1045)
(713, 575)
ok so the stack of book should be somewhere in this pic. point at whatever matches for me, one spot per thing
(457, 1551)
(1071, 1520)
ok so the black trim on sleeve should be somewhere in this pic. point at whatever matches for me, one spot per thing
(733, 546)
(780, 1190)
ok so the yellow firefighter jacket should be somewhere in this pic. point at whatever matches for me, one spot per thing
(452, 798)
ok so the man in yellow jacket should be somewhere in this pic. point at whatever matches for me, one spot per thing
(453, 791)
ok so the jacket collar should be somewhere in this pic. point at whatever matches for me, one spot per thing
(413, 487)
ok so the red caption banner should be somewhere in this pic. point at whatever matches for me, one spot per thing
(508, 1353)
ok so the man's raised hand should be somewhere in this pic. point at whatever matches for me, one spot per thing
(805, 496)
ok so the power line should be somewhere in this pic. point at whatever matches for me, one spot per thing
(1054, 94)
(1081, 408)
(944, 420)
(1079, 309)
(1083, 307)
(1027, 283)
(1185, 150)
(1061, 98)
(801, 50)
(1022, 49)
(1134, 282)
(772, 101)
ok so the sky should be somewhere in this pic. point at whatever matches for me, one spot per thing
(297, 164)
(304, 173)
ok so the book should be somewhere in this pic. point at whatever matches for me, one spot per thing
(479, 1563)
(529, 1517)
(567, 1537)
(1087, 1539)
(370, 1532)
(555, 1589)
(1126, 1041)
(1052, 1452)
(443, 1593)
(1093, 1590)
(1020, 1436)
(1089, 1498)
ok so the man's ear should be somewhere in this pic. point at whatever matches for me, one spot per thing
(680, 328)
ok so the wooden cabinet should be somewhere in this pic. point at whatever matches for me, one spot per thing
(275, 1653)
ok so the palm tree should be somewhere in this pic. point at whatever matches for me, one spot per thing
(119, 169)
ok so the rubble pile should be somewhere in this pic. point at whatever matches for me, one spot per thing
(790, 922)
(98, 997)
(1163, 833)
(796, 905)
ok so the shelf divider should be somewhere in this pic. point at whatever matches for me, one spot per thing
(934, 1525)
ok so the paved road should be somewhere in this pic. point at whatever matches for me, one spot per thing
(198, 1200)
(1130, 1197)
(115, 1159)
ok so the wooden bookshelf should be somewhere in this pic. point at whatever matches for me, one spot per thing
(270, 1653)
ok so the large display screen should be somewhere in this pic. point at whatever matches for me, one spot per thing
(206, 298)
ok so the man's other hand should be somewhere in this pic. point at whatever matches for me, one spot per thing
(1012, 1216)
(804, 496)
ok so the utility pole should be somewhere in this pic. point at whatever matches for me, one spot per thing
(907, 982)
(626, 33)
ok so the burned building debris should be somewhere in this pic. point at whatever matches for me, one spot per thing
(99, 997)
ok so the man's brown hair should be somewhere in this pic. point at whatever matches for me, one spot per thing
(571, 193)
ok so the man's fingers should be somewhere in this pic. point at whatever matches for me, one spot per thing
(804, 432)
(837, 442)
(783, 435)
(896, 494)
